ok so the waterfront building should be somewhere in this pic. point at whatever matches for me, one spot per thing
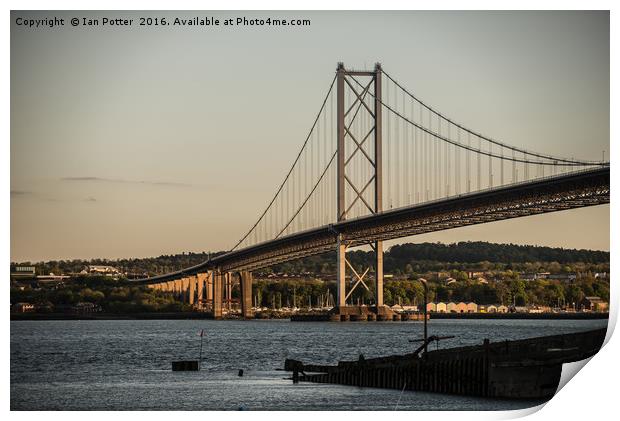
(472, 308)
(86, 308)
(24, 307)
(594, 304)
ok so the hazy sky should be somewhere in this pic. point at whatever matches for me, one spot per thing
(141, 141)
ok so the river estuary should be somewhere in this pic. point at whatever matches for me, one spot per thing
(125, 364)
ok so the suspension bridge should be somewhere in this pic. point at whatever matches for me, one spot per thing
(378, 163)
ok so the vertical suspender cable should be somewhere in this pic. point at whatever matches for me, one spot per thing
(406, 156)
(490, 166)
(502, 166)
(397, 184)
(478, 161)
(389, 145)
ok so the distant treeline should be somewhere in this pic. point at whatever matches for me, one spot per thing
(478, 251)
(420, 257)
(112, 295)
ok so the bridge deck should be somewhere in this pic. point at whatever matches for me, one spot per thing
(550, 194)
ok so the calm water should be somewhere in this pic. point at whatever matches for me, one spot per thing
(125, 365)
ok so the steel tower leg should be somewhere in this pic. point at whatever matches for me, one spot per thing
(341, 267)
(378, 185)
(341, 141)
(379, 274)
(340, 211)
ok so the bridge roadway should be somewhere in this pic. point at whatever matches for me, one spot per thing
(555, 193)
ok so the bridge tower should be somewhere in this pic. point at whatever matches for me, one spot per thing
(366, 142)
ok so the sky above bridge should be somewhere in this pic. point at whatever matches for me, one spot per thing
(132, 141)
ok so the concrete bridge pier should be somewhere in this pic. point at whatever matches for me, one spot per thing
(182, 290)
(209, 287)
(204, 288)
(199, 289)
(193, 280)
(218, 280)
(228, 283)
(245, 284)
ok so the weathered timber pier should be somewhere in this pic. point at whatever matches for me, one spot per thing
(523, 369)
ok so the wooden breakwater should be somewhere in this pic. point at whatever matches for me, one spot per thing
(528, 368)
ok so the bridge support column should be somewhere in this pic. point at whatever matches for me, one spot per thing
(201, 278)
(379, 273)
(192, 289)
(209, 287)
(341, 268)
(178, 289)
(245, 284)
(228, 290)
(347, 194)
(218, 279)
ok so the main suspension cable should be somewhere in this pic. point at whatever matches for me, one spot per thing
(432, 134)
(496, 142)
(292, 167)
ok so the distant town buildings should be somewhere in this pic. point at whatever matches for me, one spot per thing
(589, 304)
(100, 270)
(86, 308)
(23, 271)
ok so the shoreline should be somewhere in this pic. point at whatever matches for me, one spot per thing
(521, 316)
(203, 316)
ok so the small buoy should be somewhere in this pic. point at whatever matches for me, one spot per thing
(240, 374)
